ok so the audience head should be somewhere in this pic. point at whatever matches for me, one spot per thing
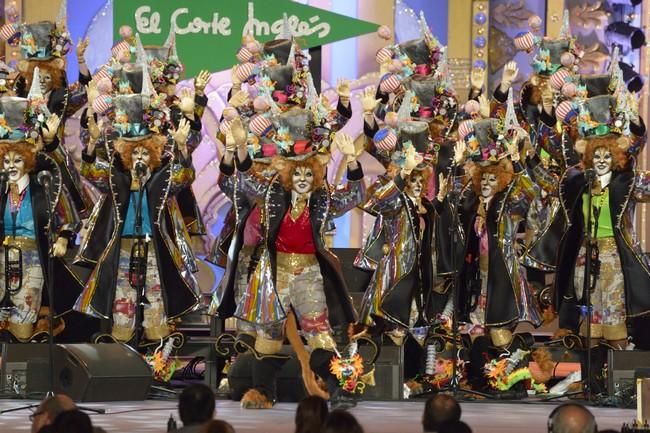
(340, 421)
(218, 426)
(440, 409)
(73, 421)
(454, 427)
(49, 409)
(196, 404)
(311, 414)
(571, 418)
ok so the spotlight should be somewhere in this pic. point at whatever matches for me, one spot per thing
(631, 77)
(625, 35)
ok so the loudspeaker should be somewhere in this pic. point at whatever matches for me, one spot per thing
(85, 372)
(389, 373)
(621, 365)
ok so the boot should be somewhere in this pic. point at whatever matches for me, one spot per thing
(479, 354)
(319, 362)
(263, 395)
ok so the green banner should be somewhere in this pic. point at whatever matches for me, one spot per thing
(208, 32)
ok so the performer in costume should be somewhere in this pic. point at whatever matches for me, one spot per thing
(296, 270)
(44, 45)
(491, 209)
(25, 208)
(619, 269)
(139, 165)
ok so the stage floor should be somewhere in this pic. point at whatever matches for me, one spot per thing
(376, 417)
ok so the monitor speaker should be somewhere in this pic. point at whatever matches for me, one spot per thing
(85, 372)
(621, 365)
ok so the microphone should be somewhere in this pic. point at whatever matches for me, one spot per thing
(44, 178)
(590, 175)
(140, 169)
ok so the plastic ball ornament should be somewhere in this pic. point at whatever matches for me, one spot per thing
(534, 22)
(229, 113)
(569, 90)
(384, 32)
(105, 85)
(472, 107)
(395, 66)
(260, 104)
(391, 119)
(479, 42)
(253, 47)
(567, 59)
(480, 18)
(126, 32)
(383, 55)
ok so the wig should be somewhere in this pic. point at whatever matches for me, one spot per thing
(285, 168)
(26, 150)
(615, 144)
(503, 171)
(154, 144)
(55, 67)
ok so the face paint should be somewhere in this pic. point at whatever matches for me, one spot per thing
(602, 161)
(303, 179)
(14, 165)
(46, 81)
(414, 185)
(140, 153)
(489, 184)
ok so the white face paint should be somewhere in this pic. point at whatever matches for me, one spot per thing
(414, 185)
(47, 83)
(140, 154)
(602, 161)
(14, 165)
(303, 179)
(489, 184)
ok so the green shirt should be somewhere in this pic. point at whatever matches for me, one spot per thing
(601, 201)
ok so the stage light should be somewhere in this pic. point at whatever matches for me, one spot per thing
(625, 35)
(632, 79)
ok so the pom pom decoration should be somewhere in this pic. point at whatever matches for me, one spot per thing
(563, 109)
(244, 55)
(559, 78)
(389, 83)
(395, 66)
(472, 107)
(465, 128)
(383, 55)
(244, 71)
(524, 41)
(269, 150)
(384, 32)
(126, 32)
(253, 47)
(569, 90)
(102, 73)
(102, 104)
(385, 139)
(567, 59)
(105, 86)
(260, 125)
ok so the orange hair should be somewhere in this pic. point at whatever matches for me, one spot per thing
(286, 167)
(154, 144)
(616, 145)
(503, 171)
(25, 150)
(55, 67)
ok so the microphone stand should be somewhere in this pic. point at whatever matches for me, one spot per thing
(138, 281)
(587, 283)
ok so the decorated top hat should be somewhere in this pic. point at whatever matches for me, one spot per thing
(426, 50)
(22, 118)
(600, 115)
(44, 40)
(280, 49)
(164, 64)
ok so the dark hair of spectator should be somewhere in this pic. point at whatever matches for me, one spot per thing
(196, 404)
(311, 414)
(340, 421)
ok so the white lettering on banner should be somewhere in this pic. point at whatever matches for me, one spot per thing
(148, 22)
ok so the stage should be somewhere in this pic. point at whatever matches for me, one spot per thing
(376, 417)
